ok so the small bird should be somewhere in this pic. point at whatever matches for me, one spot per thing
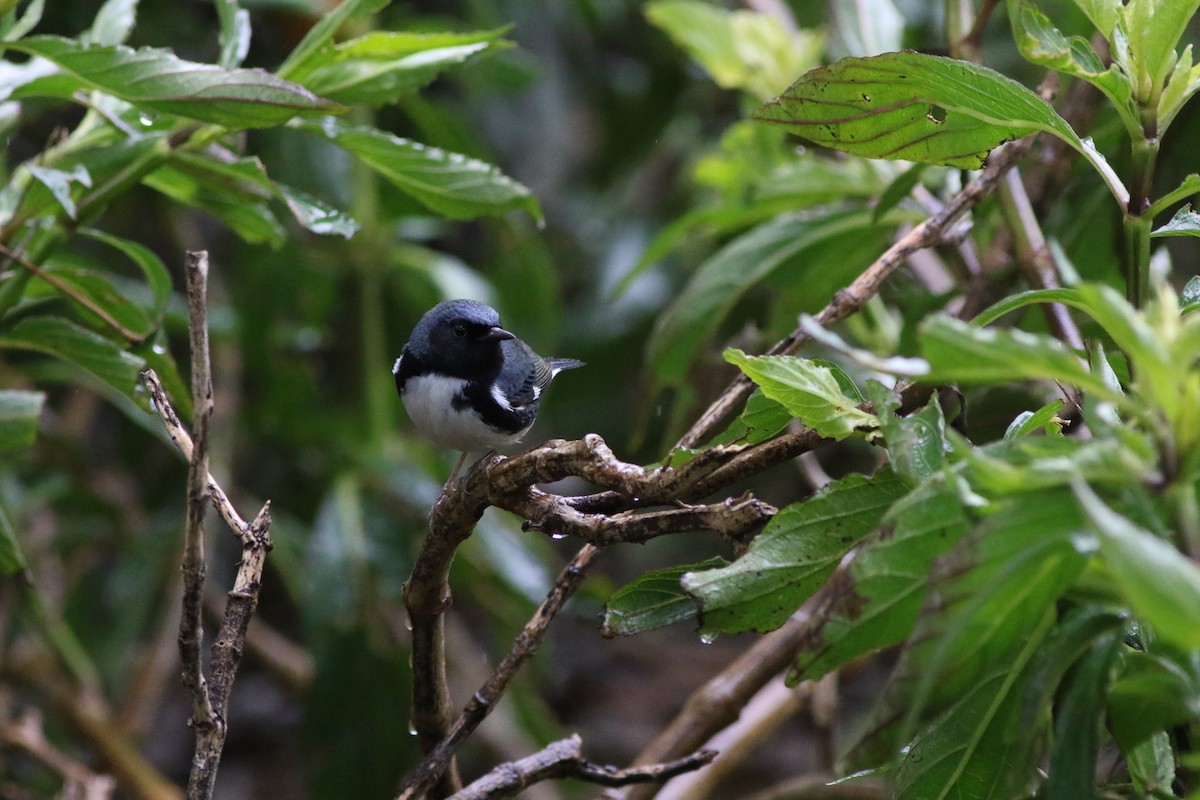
(467, 383)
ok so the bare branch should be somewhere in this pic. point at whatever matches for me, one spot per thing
(526, 644)
(564, 759)
(80, 782)
(191, 624)
(210, 698)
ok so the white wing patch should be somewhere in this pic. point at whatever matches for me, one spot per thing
(501, 400)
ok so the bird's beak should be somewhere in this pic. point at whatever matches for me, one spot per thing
(496, 335)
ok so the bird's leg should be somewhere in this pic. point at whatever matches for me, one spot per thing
(454, 473)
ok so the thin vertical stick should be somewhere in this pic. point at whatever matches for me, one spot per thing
(191, 629)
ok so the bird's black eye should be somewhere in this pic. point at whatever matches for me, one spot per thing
(460, 330)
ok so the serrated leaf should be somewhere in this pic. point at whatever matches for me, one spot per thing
(20, 413)
(915, 107)
(653, 600)
(793, 556)
(959, 352)
(1160, 583)
(449, 183)
(875, 601)
(809, 246)
(807, 390)
(1185, 223)
(158, 80)
(63, 339)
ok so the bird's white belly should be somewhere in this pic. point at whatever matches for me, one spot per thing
(429, 400)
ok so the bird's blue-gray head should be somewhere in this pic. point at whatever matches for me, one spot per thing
(460, 338)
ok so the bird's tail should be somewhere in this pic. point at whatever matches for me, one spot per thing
(559, 364)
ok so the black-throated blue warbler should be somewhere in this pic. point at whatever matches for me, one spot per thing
(467, 383)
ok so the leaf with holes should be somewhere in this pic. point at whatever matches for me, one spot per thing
(915, 107)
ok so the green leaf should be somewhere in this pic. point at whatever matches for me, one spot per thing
(915, 107)
(898, 190)
(316, 215)
(249, 216)
(20, 413)
(234, 35)
(916, 444)
(1181, 86)
(1162, 586)
(158, 80)
(1185, 223)
(1189, 298)
(447, 183)
(1153, 28)
(1045, 419)
(382, 67)
(59, 183)
(26, 22)
(1102, 13)
(1079, 718)
(152, 267)
(62, 339)
(875, 601)
(312, 49)
(740, 49)
(973, 749)
(984, 597)
(793, 556)
(113, 24)
(808, 391)
(1151, 693)
(12, 558)
(653, 600)
(1043, 44)
(1022, 299)
(1152, 765)
(97, 288)
(1189, 186)
(959, 352)
(812, 248)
